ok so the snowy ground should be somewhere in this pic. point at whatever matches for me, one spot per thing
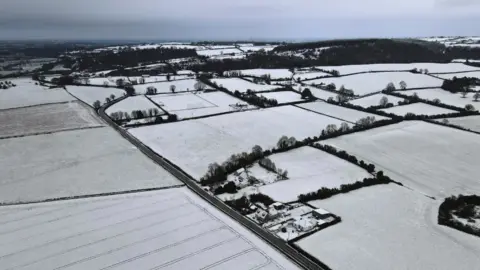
(90, 94)
(348, 115)
(193, 145)
(438, 161)
(189, 105)
(309, 75)
(164, 87)
(318, 93)
(470, 122)
(465, 60)
(310, 169)
(274, 73)
(111, 81)
(475, 74)
(219, 52)
(363, 84)
(374, 100)
(26, 93)
(130, 104)
(444, 96)
(242, 86)
(266, 48)
(432, 67)
(389, 227)
(417, 108)
(170, 229)
(46, 118)
(71, 163)
(283, 96)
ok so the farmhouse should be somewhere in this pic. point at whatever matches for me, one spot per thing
(303, 224)
(320, 213)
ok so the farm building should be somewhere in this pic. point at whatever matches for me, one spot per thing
(320, 213)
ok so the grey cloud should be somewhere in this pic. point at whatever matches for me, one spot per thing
(224, 19)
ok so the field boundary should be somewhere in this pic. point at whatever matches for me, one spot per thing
(50, 132)
(78, 197)
(38, 105)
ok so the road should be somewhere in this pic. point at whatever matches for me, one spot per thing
(292, 253)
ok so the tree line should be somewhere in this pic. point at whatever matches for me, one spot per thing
(463, 206)
(217, 173)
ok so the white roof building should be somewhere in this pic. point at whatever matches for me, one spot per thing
(304, 224)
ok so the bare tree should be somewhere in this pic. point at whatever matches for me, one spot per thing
(464, 92)
(403, 85)
(469, 107)
(445, 121)
(97, 104)
(476, 96)
(199, 86)
(344, 127)
(331, 129)
(390, 87)
(173, 88)
(257, 150)
(383, 101)
(112, 96)
(437, 101)
(341, 98)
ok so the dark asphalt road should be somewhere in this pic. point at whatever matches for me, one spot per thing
(292, 253)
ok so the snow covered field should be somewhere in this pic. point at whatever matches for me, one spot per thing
(111, 81)
(435, 160)
(444, 96)
(309, 75)
(363, 84)
(46, 118)
(72, 163)
(283, 96)
(266, 48)
(189, 105)
(374, 100)
(219, 52)
(132, 103)
(169, 229)
(193, 145)
(470, 122)
(164, 87)
(431, 67)
(319, 93)
(310, 169)
(274, 73)
(26, 93)
(242, 86)
(417, 108)
(389, 227)
(348, 115)
(449, 76)
(90, 94)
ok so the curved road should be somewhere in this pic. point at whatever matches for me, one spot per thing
(292, 253)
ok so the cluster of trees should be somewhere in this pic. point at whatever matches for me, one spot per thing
(97, 104)
(345, 156)
(307, 94)
(372, 109)
(436, 102)
(126, 57)
(217, 173)
(6, 84)
(269, 165)
(462, 206)
(456, 85)
(141, 114)
(325, 193)
(229, 187)
(261, 198)
(242, 205)
(252, 98)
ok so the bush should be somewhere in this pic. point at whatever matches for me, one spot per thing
(261, 198)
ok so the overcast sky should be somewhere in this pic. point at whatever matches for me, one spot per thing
(236, 19)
